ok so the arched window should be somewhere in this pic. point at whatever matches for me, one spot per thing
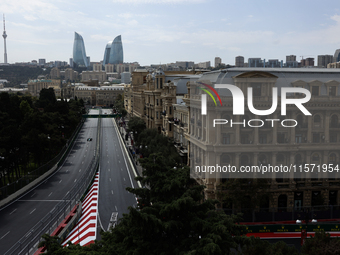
(244, 161)
(263, 159)
(225, 159)
(298, 159)
(316, 157)
(280, 158)
(332, 158)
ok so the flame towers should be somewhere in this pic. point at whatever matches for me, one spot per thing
(79, 53)
(114, 52)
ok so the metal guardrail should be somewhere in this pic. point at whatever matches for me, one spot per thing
(25, 180)
(28, 244)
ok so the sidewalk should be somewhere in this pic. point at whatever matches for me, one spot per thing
(129, 145)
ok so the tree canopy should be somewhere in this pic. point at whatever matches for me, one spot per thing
(33, 131)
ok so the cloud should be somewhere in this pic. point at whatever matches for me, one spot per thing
(158, 1)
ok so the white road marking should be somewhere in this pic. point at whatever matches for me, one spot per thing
(5, 235)
(124, 179)
(13, 211)
(79, 170)
(33, 194)
(75, 180)
(60, 181)
(110, 179)
(112, 192)
(50, 194)
(33, 210)
(116, 208)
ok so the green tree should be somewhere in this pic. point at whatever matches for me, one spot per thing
(244, 193)
(171, 217)
(151, 141)
(321, 243)
(256, 246)
(136, 126)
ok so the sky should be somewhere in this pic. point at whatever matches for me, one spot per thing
(165, 31)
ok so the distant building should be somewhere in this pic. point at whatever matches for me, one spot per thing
(273, 63)
(42, 62)
(103, 96)
(79, 53)
(255, 62)
(100, 76)
(185, 64)
(203, 65)
(97, 67)
(290, 58)
(71, 75)
(109, 68)
(307, 62)
(126, 77)
(55, 73)
(114, 52)
(35, 86)
(324, 60)
(71, 62)
(334, 65)
(218, 61)
(239, 61)
(336, 57)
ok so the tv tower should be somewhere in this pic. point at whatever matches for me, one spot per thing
(4, 35)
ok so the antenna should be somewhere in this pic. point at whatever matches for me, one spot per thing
(4, 35)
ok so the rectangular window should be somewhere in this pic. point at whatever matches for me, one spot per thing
(169, 127)
(315, 90)
(161, 83)
(333, 137)
(280, 137)
(332, 91)
(225, 138)
(157, 83)
(157, 101)
(157, 115)
(298, 138)
(263, 138)
(245, 139)
(316, 137)
(170, 110)
(256, 89)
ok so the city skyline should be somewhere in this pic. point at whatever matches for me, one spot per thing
(172, 30)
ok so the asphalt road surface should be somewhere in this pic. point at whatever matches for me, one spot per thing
(115, 175)
(17, 218)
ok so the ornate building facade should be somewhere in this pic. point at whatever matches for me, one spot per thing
(315, 140)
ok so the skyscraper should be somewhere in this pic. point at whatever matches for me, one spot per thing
(114, 52)
(79, 53)
(4, 35)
